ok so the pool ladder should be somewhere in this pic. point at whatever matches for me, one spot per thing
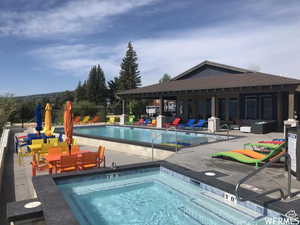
(282, 196)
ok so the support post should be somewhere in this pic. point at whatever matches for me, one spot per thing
(291, 105)
(160, 119)
(123, 106)
(123, 116)
(213, 106)
(213, 122)
(291, 122)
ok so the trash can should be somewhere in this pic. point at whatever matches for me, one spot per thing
(293, 137)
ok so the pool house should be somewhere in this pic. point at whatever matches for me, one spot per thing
(229, 94)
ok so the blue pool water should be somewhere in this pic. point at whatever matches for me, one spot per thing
(151, 197)
(146, 135)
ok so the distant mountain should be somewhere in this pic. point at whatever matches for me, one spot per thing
(51, 96)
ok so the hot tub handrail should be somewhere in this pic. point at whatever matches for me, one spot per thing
(253, 197)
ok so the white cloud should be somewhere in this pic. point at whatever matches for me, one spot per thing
(272, 48)
(78, 16)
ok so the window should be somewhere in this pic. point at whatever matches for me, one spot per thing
(266, 107)
(222, 108)
(202, 108)
(208, 108)
(233, 106)
(190, 108)
(251, 108)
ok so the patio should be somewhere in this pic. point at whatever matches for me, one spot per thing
(18, 185)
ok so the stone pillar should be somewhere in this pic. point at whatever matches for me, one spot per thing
(291, 122)
(160, 120)
(291, 105)
(213, 122)
(123, 116)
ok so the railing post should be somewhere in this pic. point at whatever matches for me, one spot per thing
(289, 174)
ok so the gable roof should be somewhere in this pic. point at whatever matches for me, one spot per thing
(245, 78)
(206, 83)
(210, 63)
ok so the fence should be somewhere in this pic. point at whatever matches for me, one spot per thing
(3, 148)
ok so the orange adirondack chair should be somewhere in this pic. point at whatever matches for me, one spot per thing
(53, 151)
(101, 156)
(88, 160)
(34, 165)
(95, 119)
(152, 124)
(77, 119)
(75, 149)
(67, 163)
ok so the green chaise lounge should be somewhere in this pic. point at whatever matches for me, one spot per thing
(249, 156)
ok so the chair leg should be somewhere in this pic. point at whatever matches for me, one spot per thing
(33, 171)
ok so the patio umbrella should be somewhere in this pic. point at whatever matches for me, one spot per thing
(38, 118)
(48, 119)
(68, 124)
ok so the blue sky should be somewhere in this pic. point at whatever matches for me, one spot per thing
(48, 46)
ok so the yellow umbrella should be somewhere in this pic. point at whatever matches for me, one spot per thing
(48, 119)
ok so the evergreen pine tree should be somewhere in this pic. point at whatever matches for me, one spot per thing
(166, 77)
(113, 86)
(80, 92)
(129, 75)
(96, 86)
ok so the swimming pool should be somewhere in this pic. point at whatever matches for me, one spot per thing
(153, 196)
(146, 136)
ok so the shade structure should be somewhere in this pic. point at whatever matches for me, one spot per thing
(68, 123)
(48, 119)
(38, 118)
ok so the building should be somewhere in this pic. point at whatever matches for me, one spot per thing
(226, 92)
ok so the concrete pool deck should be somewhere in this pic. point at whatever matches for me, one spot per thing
(18, 185)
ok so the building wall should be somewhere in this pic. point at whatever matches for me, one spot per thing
(233, 106)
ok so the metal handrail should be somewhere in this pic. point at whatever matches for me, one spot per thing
(237, 187)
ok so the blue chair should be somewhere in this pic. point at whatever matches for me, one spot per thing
(147, 121)
(19, 143)
(189, 123)
(200, 124)
(60, 138)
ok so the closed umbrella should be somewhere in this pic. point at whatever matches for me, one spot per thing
(68, 124)
(48, 119)
(38, 118)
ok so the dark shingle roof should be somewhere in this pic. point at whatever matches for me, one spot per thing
(248, 79)
(210, 63)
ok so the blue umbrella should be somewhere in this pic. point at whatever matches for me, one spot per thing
(38, 118)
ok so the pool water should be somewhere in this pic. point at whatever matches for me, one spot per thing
(162, 137)
(148, 198)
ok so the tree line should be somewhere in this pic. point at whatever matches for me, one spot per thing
(93, 96)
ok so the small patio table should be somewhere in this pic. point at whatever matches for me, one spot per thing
(53, 159)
